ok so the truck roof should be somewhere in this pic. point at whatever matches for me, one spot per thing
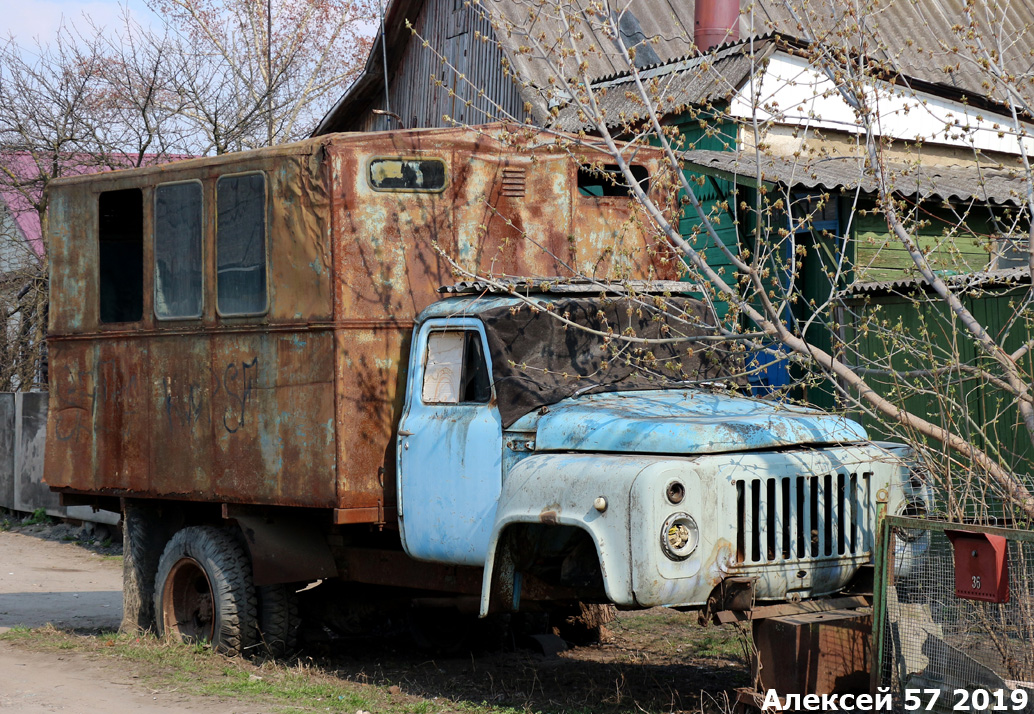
(569, 286)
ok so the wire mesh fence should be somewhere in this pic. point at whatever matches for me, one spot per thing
(939, 643)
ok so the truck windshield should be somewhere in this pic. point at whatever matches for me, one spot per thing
(539, 360)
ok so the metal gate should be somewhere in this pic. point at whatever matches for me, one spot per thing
(957, 616)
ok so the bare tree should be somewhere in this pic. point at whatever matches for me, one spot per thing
(954, 380)
(255, 74)
(219, 77)
(48, 98)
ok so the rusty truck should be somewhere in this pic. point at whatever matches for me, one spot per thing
(397, 359)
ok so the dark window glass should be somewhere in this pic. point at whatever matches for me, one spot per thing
(241, 244)
(120, 232)
(476, 387)
(812, 212)
(407, 174)
(178, 266)
(609, 180)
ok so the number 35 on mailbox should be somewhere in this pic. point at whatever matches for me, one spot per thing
(981, 566)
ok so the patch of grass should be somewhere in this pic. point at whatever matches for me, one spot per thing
(197, 670)
(112, 558)
(106, 543)
(38, 517)
(289, 686)
(719, 642)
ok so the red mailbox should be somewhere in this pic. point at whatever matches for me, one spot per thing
(981, 566)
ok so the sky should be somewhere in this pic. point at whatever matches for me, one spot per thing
(28, 19)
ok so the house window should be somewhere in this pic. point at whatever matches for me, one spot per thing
(241, 244)
(455, 370)
(422, 175)
(178, 265)
(120, 234)
(1009, 251)
(609, 180)
(813, 212)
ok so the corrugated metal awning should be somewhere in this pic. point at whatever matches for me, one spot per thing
(967, 281)
(671, 87)
(989, 183)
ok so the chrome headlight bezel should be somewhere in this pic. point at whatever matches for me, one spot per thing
(679, 527)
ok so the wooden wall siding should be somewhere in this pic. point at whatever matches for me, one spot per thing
(880, 256)
(715, 135)
(455, 31)
(988, 406)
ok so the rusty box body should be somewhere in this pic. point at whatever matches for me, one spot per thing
(297, 405)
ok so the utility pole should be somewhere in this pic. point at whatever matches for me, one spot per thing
(269, 72)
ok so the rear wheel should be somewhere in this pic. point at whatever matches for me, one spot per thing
(278, 620)
(142, 543)
(203, 590)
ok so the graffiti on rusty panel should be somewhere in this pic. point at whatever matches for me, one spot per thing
(238, 383)
(86, 391)
(81, 391)
(184, 407)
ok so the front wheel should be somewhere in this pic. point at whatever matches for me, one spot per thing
(203, 590)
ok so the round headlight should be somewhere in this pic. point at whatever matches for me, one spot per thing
(679, 536)
(912, 508)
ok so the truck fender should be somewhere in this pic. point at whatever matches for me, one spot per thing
(530, 496)
(285, 548)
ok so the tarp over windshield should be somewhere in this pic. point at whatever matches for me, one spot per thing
(537, 360)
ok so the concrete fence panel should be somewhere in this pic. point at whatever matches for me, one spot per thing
(23, 435)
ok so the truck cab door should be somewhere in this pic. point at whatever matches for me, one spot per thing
(450, 444)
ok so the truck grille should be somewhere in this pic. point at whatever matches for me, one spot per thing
(803, 517)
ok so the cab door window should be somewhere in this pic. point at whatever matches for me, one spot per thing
(455, 369)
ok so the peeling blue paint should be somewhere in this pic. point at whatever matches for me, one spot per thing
(684, 422)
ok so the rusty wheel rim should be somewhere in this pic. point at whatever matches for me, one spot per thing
(188, 607)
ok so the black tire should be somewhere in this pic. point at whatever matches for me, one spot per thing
(278, 619)
(203, 591)
(143, 539)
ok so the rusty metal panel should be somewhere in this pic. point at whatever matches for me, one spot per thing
(181, 405)
(370, 381)
(814, 653)
(300, 246)
(98, 425)
(72, 252)
(298, 406)
(272, 418)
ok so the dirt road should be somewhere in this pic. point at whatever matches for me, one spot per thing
(653, 661)
(43, 581)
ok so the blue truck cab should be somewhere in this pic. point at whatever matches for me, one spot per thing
(538, 444)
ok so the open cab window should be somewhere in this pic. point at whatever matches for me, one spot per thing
(455, 370)
(608, 180)
(120, 233)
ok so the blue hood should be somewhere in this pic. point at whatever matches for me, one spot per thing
(681, 422)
